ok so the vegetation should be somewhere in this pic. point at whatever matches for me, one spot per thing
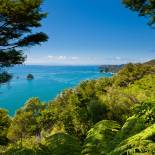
(151, 62)
(110, 68)
(117, 68)
(17, 20)
(144, 8)
(4, 126)
(100, 116)
(99, 138)
(132, 72)
(107, 116)
(4, 76)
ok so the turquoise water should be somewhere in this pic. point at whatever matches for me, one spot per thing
(48, 82)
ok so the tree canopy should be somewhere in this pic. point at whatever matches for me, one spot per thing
(144, 8)
(4, 125)
(18, 18)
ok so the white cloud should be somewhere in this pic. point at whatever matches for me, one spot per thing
(62, 58)
(74, 58)
(50, 57)
(118, 58)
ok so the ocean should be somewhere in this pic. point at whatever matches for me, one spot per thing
(48, 82)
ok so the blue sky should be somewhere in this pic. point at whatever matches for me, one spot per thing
(88, 32)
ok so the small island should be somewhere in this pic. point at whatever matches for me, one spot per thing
(30, 77)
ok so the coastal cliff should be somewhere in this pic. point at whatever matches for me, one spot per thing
(110, 68)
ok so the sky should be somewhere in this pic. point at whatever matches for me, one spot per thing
(92, 32)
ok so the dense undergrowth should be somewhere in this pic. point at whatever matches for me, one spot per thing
(107, 116)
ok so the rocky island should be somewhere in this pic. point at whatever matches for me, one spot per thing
(30, 77)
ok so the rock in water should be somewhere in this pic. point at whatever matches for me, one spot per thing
(30, 77)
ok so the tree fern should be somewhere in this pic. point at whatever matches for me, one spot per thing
(140, 143)
(99, 138)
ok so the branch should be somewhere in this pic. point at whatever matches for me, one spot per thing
(33, 39)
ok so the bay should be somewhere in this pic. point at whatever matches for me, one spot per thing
(48, 82)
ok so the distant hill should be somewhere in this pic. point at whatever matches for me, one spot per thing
(110, 68)
(116, 68)
(151, 62)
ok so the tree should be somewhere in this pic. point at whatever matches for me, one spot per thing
(28, 121)
(17, 20)
(132, 72)
(144, 8)
(4, 125)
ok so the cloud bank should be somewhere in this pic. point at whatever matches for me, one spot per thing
(77, 60)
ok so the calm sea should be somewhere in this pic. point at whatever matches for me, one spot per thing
(48, 82)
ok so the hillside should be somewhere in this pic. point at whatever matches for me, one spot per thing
(107, 116)
(116, 68)
(151, 62)
(110, 68)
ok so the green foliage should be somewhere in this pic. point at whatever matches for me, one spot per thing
(144, 116)
(110, 68)
(135, 137)
(67, 112)
(58, 144)
(28, 121)
(19, 151)
(103, 115)
(77, 110)
(143, 89)
(143, 7)
(4, 125)
(99, 138)
(11, 57)
(120, 101)
(92, 101)
(119, 104)
(131, 73)
(141, 143)
(146, 111)
(4, 76)
(102, 85)
(17, 20)
(151, 62)
(96, 111)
